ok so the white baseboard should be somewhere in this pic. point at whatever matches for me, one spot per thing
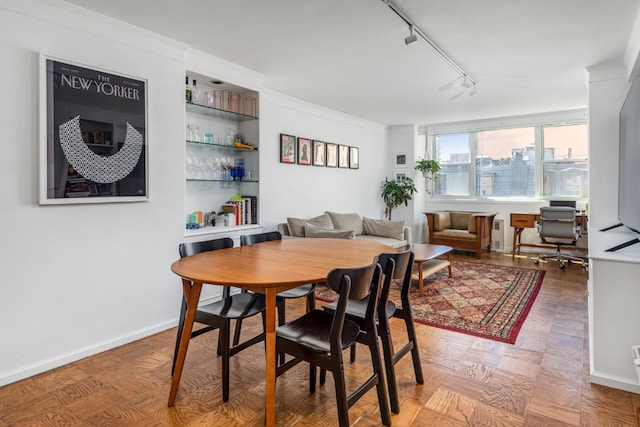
(27, 371)
(620, 383)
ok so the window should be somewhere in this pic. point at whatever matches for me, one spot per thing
(564, 163)
(524, 162)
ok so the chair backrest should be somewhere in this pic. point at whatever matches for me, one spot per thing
(192, 248)
(557, 222)
(396, 266)
(353, 283)
(250, 239)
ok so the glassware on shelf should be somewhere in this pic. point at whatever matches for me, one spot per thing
(208, 99)
(230, 136)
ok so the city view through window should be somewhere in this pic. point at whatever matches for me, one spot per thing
(519, 162)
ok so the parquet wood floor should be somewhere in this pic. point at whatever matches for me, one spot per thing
(542, 380)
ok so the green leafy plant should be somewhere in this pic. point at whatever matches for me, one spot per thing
(396, 193)
(429, 168)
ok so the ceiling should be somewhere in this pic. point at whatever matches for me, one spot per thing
(349, 55)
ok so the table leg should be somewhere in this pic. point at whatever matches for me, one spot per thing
(517, 231)
(270, 355)
(449, 259)
(192, 295)
(420, 278)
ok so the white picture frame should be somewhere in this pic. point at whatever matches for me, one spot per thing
(93, 134)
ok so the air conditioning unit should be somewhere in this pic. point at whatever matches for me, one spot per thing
(497, 235)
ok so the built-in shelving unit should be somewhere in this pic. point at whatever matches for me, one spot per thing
(212, 158)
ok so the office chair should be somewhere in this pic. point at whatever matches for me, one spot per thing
(557, 226)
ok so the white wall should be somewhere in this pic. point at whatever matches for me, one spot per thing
(79, 279)
(307, 191)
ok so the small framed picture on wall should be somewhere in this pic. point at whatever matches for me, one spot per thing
(400, 160)
(332, 155)
(319, 153)
(304, 151)
(287, 148)
(399, 174)
(354, 157)
(343, 156)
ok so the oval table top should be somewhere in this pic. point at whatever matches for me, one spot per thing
(277, 263)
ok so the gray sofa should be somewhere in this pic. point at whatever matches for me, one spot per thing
(347, 226)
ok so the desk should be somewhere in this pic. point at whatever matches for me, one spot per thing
(266, 268)
(520, 221)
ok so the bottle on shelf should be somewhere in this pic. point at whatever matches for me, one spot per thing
(188, 91)
(195, 96)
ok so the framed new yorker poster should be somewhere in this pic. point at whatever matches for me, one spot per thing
(304, 151)
(93, 134)
(287, 148)
(318, 153)
(343, 156)
(354, 157)
(332, 155)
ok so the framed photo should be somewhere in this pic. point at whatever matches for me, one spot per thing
(400, 160)
(332, 155)
(93, 135)
(319, 153)
(343, 156)
(304, 151)
(354, 157)
(287, 148)
(400, 174)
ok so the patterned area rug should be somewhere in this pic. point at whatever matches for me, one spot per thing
(488, 301)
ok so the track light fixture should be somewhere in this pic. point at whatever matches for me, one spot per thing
(411, 38)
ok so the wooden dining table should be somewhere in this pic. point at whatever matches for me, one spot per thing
(266, 268)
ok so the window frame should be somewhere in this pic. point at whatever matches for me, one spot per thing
(538, 122)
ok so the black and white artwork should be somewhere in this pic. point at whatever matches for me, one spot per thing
(93, 143)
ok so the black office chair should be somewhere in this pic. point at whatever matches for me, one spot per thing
(557, 226)
(319, 337)
(307, 290)
(397, 266)
(218, 315)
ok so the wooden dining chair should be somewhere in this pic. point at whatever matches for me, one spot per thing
(319, 338)
(307, 290)
(218, 315)
(396, 266)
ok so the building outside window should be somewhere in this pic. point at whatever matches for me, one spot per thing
(521, 162)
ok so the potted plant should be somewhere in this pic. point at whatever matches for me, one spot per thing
(397, 192)
(429, 168)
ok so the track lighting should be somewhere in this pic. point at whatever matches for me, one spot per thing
(412, 38)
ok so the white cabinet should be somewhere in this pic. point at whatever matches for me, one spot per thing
(614, 309)
(218, 166)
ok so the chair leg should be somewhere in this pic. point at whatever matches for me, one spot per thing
(387, 352)
(280, 307)
(183, 311)
(323, 376)
(415, 352)
(378, 370)
(223, 339)
(312, 378)
(236, 333)
(352, 353)
(341, 398)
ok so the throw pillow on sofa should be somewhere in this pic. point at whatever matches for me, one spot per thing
(313, 231)
(296, 225)
(383, 228)
(347, 221)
